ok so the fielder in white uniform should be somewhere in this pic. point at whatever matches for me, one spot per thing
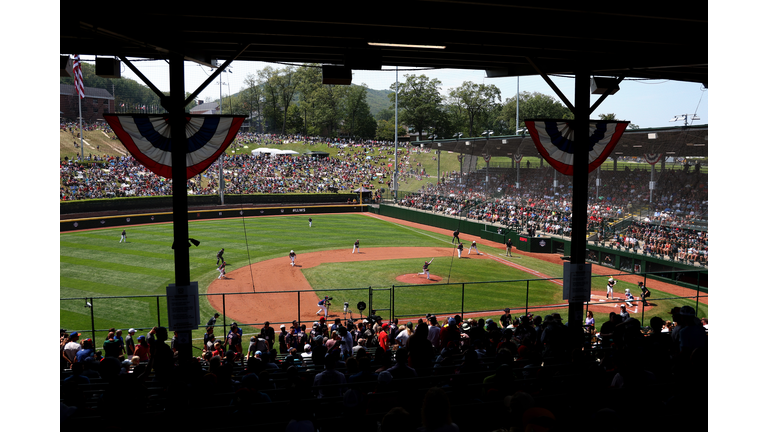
(474, 246)
(356, 247)
(122, 237)
(460, 248)
(222, 270)
(425, 268)
(292, 255)
(609, 287)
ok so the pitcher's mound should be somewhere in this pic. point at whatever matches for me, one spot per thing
(415, 278)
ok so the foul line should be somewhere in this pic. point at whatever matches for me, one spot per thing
(416, 230)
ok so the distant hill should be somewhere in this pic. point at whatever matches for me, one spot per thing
(378, 100)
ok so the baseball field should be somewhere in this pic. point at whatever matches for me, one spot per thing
(124, 282)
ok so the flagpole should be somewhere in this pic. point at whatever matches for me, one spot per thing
(80, 111)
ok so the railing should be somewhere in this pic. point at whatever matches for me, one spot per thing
(468, 299)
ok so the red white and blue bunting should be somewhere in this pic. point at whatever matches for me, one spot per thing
(148, 139)
(554, 140)
(653, 158)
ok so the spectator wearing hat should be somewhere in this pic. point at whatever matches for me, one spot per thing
(623, 313)
(281, 340)
(384, 337)
(142, 349)
(212, 321)
(404, 333)
(71, 348)
(130, 343)
(449, 333)
(235, 338)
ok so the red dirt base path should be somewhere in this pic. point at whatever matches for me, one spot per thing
(274, 277)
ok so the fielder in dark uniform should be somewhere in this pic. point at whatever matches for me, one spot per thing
(456, 236)
(645, 293)
(220, 256)
(509, 247)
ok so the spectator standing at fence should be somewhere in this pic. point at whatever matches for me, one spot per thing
(269, 334)
(111, 346)
(130, 343)
(212, 321)
(71, 348)
(235, 338)
(282, 343)
(142, 349)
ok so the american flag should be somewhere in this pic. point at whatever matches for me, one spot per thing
(78, 77)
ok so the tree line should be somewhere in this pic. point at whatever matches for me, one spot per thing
(293, 100)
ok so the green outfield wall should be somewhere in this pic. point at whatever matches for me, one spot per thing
(141, 218)
(158, 202)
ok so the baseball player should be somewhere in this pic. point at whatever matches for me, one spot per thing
(460, 248)
(645, 293)
(474, 246)
(222, 270)
(609, 287)
(292, 255)
(356, 247)
(323, 307)
(310, 222)
(456, 236)
(425, 268)
(220, 256)
(122, 237)
(629, 299)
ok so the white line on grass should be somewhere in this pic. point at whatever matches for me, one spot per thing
(412, 229)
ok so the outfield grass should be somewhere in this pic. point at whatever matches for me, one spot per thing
(94, 264)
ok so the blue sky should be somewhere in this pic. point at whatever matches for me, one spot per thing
(646, 103)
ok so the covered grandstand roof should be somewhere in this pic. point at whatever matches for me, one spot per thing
(502, 37)
(690, 141)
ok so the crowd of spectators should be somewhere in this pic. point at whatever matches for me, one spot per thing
(500, 374)
(538, 207)
(370, 164)
(674, 242)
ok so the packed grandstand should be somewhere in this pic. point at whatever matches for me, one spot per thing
(672, 225)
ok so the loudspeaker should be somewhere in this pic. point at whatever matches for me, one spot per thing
(107, 67)
(66, 66)
(337, 75)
